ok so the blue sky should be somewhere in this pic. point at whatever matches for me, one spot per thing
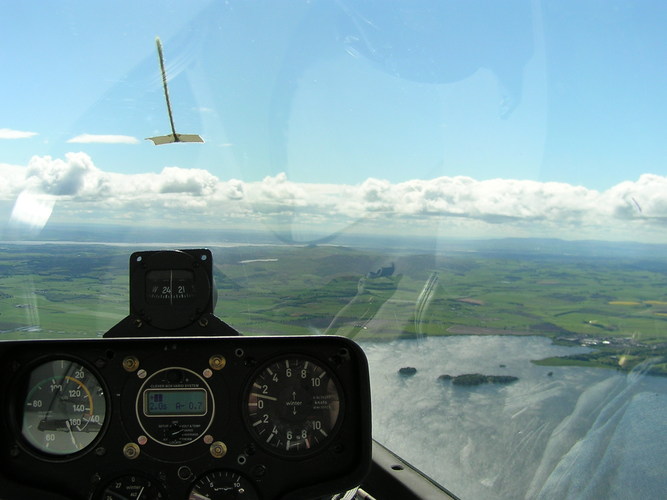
(340, 92)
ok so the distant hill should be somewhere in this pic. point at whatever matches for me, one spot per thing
(527, 247)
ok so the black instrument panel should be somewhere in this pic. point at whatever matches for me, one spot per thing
(184, 417)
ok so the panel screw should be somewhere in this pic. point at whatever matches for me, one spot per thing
(217, 362)
(218, 449)
(130, 364)
(131, 451)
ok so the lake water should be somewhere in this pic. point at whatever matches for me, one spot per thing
(581, 433)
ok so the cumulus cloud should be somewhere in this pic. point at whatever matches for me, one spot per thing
(12, 180)
(6, 133)
(631, 209)
(646, 197)
(103, 139)
(197, 182)
(76, 176)
(279, 191)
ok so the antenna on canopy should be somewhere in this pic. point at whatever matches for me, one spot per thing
(173, 137)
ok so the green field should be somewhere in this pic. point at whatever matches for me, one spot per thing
(61, 290)
(617, 306)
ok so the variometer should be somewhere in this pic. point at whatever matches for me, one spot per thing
(293, 405)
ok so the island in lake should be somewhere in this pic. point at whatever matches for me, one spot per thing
(407, 370)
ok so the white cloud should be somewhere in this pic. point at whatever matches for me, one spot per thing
(646, 198)
(6, 133)
(197, 182)
(12, 180)
(459, 206)
(76, 176)
(103, 139)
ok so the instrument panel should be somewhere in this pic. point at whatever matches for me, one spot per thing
(184, 417)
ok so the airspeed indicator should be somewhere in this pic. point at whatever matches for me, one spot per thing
(64, 408)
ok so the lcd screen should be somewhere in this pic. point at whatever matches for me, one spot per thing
(175, 402)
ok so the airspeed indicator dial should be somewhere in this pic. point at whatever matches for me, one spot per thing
(64, 408)
(293, 406)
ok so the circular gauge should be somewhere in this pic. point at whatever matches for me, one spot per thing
(171, 289)
(132, 486)
(293, 405)
(64, 407)
(175, 406)
(222, 484)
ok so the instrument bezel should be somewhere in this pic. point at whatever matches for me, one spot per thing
(20, 385)
(247, 415)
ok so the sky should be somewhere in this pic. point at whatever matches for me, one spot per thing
(467, 119)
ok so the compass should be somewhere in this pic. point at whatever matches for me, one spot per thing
(171, 289)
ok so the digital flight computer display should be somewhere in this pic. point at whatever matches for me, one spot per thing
(174, 402)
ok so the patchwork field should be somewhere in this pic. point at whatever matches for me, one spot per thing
(616, 306)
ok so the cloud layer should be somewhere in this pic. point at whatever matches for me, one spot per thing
(459, 206)
(7, 133)
(103, 139)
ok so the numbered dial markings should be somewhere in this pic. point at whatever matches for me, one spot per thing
(223, 484)
(132, 486)
(170, 287)
(64, 408)
(293, 405)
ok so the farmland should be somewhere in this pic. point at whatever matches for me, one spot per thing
(617, 306)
